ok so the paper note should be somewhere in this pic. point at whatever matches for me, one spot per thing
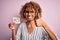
(16, 20)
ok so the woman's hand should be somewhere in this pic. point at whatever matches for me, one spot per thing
(11, 25)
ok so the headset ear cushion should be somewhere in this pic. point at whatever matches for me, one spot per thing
(24, 15)
(36, 15)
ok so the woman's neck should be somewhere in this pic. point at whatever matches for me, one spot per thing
(31, 23)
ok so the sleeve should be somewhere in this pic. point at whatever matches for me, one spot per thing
(18, 35)
(45, 35)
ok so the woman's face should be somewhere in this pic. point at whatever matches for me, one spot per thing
(30, 14)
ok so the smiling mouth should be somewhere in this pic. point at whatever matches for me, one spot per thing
(29, 17)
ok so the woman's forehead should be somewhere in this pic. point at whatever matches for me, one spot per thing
(30, 9)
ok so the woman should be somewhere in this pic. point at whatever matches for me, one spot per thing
(32, 29)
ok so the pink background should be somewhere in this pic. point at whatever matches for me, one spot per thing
(11, 8)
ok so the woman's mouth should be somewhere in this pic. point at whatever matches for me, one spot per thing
(29, 18)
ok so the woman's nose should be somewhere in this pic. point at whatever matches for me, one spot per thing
(29, 13)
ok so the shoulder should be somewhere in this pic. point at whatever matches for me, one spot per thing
(41, 29)
(40, 22)
(23, 24)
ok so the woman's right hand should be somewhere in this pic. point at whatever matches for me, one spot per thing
(11, 25)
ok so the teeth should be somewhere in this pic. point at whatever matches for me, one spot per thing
(29, 17)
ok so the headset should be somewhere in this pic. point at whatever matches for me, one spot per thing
(36, 14)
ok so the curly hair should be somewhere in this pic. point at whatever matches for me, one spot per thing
(30, 5)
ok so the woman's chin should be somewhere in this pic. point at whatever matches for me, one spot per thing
(28, 20)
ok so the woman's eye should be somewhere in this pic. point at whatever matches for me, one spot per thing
(31, 11)
(27, 11)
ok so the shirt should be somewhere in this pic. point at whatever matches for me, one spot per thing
(38, 33)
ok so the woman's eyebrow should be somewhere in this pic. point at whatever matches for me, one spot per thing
(29, 11)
